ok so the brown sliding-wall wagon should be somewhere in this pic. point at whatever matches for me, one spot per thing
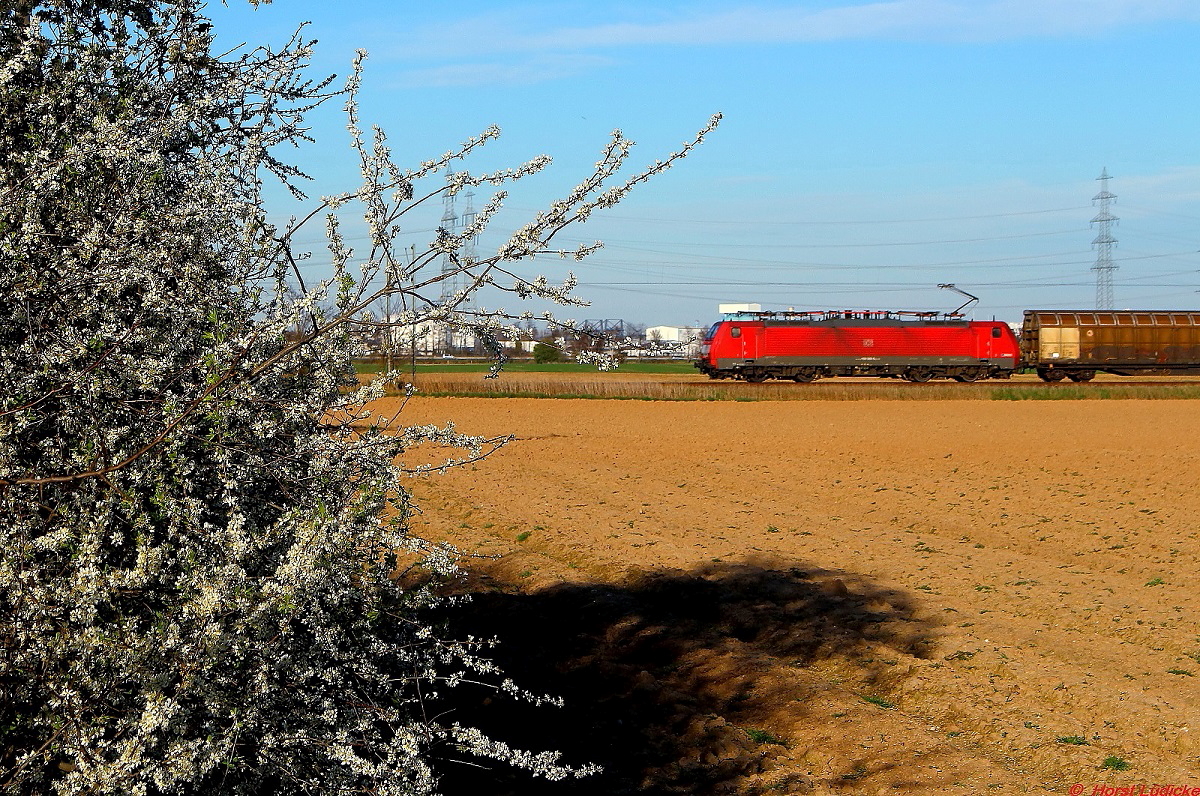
(1077, 345)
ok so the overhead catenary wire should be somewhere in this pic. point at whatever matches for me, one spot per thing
(686, 265)
(835, 222)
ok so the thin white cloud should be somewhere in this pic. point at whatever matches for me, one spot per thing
(1174, 185)
(534, 70)
(919, 20)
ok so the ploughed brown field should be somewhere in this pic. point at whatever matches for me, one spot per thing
(852, 596)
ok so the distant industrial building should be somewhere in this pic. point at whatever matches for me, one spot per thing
(676, 342)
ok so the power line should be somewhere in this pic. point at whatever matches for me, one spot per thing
(709, 245)
(863, 285)
(797, 223)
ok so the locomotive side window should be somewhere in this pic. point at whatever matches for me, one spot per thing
(996, 332)
(736, 331)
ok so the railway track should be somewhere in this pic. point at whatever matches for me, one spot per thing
(869, 382)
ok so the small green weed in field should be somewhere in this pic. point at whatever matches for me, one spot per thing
(1114, 763)
(1073, 740)
(878, 701)
(1180, 671)
(1155, 582)
(522, 536)
(764, 737)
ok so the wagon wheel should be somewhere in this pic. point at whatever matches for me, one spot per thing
(919, 375)
(1082, 375)
(1052, 375)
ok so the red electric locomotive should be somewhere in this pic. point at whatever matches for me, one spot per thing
(804, 346)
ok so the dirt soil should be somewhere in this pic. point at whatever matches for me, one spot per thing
(834, 597)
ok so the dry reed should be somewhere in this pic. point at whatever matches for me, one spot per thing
(676, 388)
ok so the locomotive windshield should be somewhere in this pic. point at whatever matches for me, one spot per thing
(712, 331)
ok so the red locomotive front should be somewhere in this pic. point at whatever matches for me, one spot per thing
(806, 346)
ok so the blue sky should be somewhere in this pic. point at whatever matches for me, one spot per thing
(870, 150)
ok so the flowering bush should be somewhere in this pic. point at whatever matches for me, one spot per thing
(202, 523)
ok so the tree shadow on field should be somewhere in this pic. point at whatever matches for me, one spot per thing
(662, 672)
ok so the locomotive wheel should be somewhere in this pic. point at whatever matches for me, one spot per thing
(1082, 375)
(1052, 375)
(804, 376)
(970, 375)
(919, 375)
(756, 376)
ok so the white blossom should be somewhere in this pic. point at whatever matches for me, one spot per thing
(202, 518)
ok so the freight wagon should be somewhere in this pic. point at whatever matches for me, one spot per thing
(803, 346)
(1078, 345)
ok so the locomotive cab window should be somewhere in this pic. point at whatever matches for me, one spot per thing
(736, 331)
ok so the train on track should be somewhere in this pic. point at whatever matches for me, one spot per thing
(919, 346)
